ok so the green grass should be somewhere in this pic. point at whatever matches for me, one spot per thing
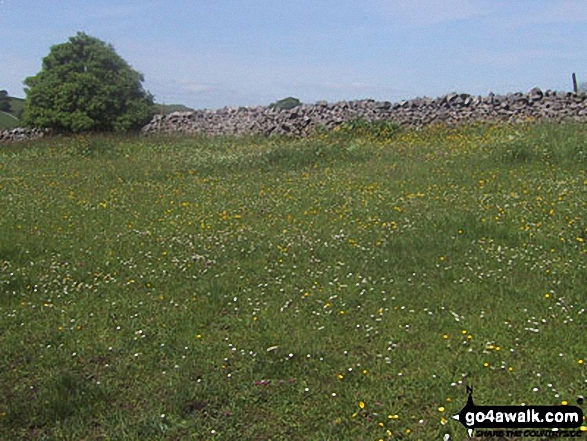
(340, 287)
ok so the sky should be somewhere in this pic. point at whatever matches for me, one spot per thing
(216, 53)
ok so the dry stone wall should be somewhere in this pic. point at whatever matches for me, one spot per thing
(21, 134)
(451, 109)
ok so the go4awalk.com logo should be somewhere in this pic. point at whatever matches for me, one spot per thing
(562, 421)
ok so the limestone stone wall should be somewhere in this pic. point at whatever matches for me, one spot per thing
(21, 134)
(450, 109)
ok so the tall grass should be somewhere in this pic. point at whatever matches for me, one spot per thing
(346, 286)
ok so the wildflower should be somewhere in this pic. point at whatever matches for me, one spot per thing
(361, 404)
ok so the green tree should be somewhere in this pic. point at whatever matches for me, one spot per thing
(84, 85)
(5, 105)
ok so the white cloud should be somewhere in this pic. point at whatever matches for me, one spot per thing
(516, 57)
(429, 12)
(194, 87)
(118, 11)
(565, 11)
(356, 85)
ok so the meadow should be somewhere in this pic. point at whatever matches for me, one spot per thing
(348, 286)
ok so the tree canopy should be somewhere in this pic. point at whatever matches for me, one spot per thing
(84, 85)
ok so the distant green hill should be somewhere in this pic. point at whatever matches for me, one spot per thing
(17, 106)
(9, 120)
(164, 109)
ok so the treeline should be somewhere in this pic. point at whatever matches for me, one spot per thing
(5, 104)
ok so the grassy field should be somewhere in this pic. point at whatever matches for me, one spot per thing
(344, 287)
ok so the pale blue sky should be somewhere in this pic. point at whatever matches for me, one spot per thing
(215, 53)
